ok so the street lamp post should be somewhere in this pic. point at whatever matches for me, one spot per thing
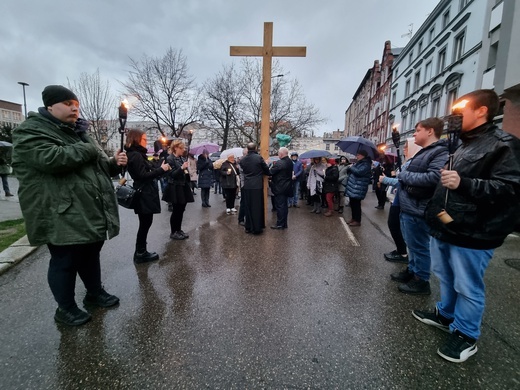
(24, 84)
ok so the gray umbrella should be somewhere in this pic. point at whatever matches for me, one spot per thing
(5, 144)
(315, 153)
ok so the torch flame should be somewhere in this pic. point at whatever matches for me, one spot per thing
(125, 103)
(460, 105)
(395, 126)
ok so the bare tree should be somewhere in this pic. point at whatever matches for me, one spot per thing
(97, 105)
(291, 114)
(166, 93)
(222, 100)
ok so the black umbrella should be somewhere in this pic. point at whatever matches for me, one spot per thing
(353, 145)
(315, 153)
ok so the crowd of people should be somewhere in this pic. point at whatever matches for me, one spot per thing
(61, 169)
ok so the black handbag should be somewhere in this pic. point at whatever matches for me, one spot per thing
(127, 196)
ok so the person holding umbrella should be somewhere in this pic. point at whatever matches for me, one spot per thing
(359, 175)
(205, 171)
(315, 183)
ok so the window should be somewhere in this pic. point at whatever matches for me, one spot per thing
(417, 81)
(419, 47)
(428, 72)
(407, 88)
(410, 58)
(445, 19)
(492, 57)
(431, 35)
(394, 98)
(463, 3)
(396, 72)
(458, 47)
(327, 146)
(441, 60)
(452, 96)
(435, 106)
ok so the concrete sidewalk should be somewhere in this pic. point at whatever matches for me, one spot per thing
(10, 210)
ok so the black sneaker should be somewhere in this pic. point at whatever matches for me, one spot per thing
(101, 299)
(416, 286)
(433, 319)
(71, 317)
(184, 234)
(177, 236)
(458, 348)
(396, 257)
(404, 276)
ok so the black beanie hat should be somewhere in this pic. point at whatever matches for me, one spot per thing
(53, 94)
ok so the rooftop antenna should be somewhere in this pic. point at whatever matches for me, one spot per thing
(409, 33)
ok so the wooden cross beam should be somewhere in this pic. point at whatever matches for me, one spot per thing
(267, 52)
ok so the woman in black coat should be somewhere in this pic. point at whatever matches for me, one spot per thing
(145, 181)
(205, 171)
(178, 190)
(330, 185)
(229, 180)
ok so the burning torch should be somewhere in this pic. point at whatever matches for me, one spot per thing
(453, 131)
(123, 114)
(396, 139)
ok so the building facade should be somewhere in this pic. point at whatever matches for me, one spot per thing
(10, 114)
(463, 45)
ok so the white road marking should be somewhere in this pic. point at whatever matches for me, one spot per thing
(350, 235)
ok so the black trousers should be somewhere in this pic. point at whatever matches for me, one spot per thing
(204, 195)
(394, 224)
(282, 210)
(176, 217)
(145, 222)
(230, 194)
(66, 262)
(381, 195)
(355, 206)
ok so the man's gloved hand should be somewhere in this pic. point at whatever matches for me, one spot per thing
(82, 125)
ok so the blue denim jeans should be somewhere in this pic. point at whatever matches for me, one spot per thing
(461, 274)
(296, 189)
(416, 235)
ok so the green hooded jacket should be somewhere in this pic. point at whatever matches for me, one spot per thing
(66, 192)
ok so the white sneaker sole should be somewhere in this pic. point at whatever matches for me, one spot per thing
(465, 355)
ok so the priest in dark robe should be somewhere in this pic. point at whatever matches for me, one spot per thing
(253, 168)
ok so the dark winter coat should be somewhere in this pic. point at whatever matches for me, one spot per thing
(178, 189)
(330, 183)
(229, 181)
(486, 205)
(205, 171)
(417, 183)
(359, 176)
(145, 176)
(253, 168)
(281, 172)
(66, 193)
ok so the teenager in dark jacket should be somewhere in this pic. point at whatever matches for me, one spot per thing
(145, 175)
(330, 185)
(416, 186)
(481, 193)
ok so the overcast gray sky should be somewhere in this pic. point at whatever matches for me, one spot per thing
(46, 42)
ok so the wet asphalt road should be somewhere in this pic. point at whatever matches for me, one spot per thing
(294, 309)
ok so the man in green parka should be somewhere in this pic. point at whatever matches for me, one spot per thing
(67, 199)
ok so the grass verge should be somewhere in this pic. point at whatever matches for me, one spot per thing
(10, 232)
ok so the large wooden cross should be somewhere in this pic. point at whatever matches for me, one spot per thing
(267, 52)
